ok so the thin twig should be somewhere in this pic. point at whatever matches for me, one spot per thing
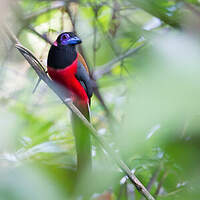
(44, 36)
(39, 69)
(54, 6)
(108, 38)
(104, 69)
(171, 193)
(161, 183)
(152, 180)
(38, 82)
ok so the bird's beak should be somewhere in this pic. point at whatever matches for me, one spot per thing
(74, 40)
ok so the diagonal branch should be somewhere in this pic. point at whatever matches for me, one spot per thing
(39, 69)
(161, 183)
(54, 6)
(152, 180)
(104, 69)
(43, 36)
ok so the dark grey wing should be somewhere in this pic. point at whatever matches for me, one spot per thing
(84, 78)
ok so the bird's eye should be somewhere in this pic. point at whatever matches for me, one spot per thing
(65, 36)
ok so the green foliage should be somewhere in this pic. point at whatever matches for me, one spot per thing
(153, 95)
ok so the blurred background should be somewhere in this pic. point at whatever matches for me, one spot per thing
(143, 56)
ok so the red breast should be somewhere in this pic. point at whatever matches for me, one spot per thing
(66, 77)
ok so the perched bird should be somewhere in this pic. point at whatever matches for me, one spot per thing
(68, 68)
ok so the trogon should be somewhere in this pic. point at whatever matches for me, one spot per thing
(68, 68)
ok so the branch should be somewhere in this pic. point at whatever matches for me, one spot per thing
(152, 180)
(104, 69)
(171, 193)
(40, 71)
(161, 183)
(44, 36)
(54, 6)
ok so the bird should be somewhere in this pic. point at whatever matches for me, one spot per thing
(67, 67)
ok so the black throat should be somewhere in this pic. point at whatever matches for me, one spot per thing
(61, 57)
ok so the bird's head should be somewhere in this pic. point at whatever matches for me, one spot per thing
(67, 38)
